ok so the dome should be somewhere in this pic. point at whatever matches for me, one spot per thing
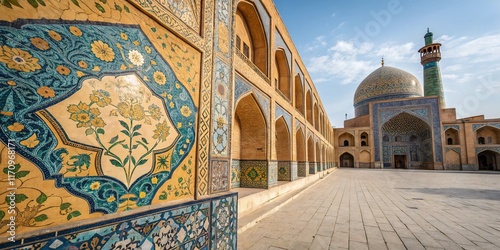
(385, 83)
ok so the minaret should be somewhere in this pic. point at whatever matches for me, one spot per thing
(430, 55)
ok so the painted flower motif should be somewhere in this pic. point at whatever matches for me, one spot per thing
(154, 180)
(142, 194)
(75, 31)
(111, 198)
(124, 109)
(6, 113)
(31, 142)
(102, 51)
(161, 131)
(169, 96)
(153, 62)
(83, 64)
(185, 111)
(100, 97)
(159, 77)
(11, 83)
(137, 112)
(40, 43)
(123, 67)
(16, 127)
(154, 111)
(79, 73)
(124, 36)
(84, 115)
(177, 85)
(96, 68)
(54, 35)
(95, 185)
(46, 92)
(181, 152)
(98, 122)
(179, 125)
(63, 70)
(135, 57)
(147, 49)
(171, 105)
(18, 59)
(136, 43)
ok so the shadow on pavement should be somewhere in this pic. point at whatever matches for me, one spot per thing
(460, 193)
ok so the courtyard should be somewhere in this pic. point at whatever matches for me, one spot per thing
(386, 209)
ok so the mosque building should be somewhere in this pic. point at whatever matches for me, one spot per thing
(399, 125)
(132, 124)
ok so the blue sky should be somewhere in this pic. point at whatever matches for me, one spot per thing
(341, 42)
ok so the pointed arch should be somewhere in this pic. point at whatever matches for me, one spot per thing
(282, 78)
(300, 145)
(364, 139)
(310, 150)
(249, 134)
(452, 137)
(251, 39)
(490, 135)
(299, 94)
(316, 116)
(346, 160)
(282, 144)
(488, 160)
(346, 139)
(309, 108)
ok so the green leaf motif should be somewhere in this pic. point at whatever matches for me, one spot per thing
(33, 3)
(115, 163)
(118, 8)
(41, 198)
(180, 179)
(126, 8)
(21, 174)
(100, 8)
(144, 140)
(124, 124)
(75, 2)
(113, 140)
(89, 131)
(100, 131)
(137, 127)
(20, 198)
(65, 206)
(41, 217)
(73, 214)
(125, 132)
(125, 161)
(163, 195)
(2, 214)
(41, 2)
(136, 134)
(141, 162)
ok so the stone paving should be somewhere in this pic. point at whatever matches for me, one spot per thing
(386, 209)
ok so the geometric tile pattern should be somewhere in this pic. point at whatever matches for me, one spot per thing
(279, 111)
(481, 149)
(302, 169)
(254, 174)
(224, 223)
(478, 126)
(219, 176)
(203, 224)
(242, 87)
(312, 167)
(446, 127)
(284, 171)
(222, 28)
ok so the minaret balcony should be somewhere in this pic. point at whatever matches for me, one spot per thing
(430, 57)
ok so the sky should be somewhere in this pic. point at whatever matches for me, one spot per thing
(342, 42)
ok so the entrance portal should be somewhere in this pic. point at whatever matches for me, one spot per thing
(488, 160)
(346, 160)
(400, 161)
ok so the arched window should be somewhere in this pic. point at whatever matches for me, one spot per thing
(450, 141)
(363, 143)
(346, 143)
(480, 140)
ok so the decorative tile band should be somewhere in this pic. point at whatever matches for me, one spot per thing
(254, 174)
(284, 171)
(302, 169)
(204, 224)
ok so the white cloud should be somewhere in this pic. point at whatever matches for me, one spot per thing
(318, 42)
(481, 49)
(342, 63)
(394, 53)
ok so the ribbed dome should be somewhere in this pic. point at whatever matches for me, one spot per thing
(385, 83)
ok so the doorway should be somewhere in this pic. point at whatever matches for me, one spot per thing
(400, 161)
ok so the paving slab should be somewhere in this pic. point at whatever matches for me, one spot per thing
(383, 209)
